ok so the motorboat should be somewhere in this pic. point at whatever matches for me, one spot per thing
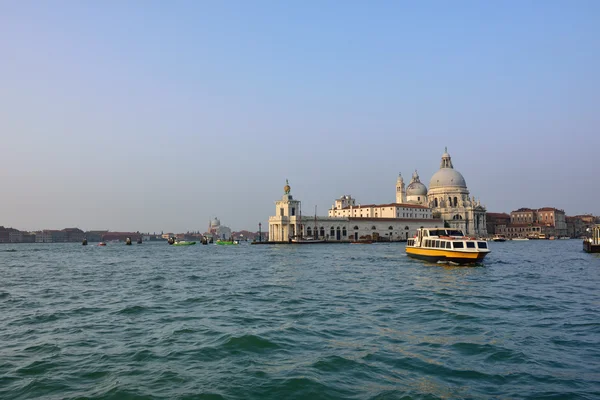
(519, 239)
(183, 243)
(446, 246)
(499, 238)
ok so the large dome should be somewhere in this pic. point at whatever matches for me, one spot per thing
(447, 177)
(416, 189)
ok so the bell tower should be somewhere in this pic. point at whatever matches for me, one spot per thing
(400, 190)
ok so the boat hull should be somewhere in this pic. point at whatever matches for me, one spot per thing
(435, 255)
(184, 244)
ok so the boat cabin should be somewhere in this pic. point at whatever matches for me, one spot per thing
(450, 239)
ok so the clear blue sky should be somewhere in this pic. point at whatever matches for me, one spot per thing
(154, 115)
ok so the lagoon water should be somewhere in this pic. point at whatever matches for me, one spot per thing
(297, 322)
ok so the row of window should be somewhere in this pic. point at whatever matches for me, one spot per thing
(442, 244)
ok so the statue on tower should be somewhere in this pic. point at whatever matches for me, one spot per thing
(287, 187)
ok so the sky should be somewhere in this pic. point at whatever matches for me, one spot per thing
(157, 116)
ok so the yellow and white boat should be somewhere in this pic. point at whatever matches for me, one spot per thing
(446, 245)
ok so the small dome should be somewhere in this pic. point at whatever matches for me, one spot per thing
(447, 177)
(416, 189)
(215, 222)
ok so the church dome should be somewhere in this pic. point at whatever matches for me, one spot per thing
(416, 189)
(215, 223)
(447, 176)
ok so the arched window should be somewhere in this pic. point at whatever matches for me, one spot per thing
(390, 228)
(356, 227)
(455, 202)
(435, 203)
(406, 228)
(309, 231)
(373, 227)
(344, 233)
(322, 232)
(332, 231)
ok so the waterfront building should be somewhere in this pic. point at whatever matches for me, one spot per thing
(496, 222)
(449, 199)
(218, 231)
(546, 221)
(73, 234)
(44, 236)
(374, 222)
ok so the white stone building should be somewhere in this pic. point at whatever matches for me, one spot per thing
(449, 197)
(348, 222)
(218, 231)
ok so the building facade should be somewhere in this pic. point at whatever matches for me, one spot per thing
(496, 222)
(449, 198)
(377, 222)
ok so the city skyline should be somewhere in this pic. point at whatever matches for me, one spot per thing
(155, 117)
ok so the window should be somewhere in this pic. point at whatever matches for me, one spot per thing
(448, 245)
(332, 231)
(293, 211)
(309, 231)
(390, 228)
(435, 203)
(355, 227)
(458, 245)
(437, 243)
(482, 245)
(470, 245)
(344, 233)
(373, 227)
(322, 232)
(281, 212)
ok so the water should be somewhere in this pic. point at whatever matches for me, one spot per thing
(297, 322)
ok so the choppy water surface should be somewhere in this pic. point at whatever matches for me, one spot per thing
(279, 322)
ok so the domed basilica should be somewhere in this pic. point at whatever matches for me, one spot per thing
(448, 197)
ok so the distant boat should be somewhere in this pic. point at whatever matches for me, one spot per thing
(307, 240)
(84, 242)
(564, 238)
(520, 238)
(227, 242)
(499, 238)
(183, 243)
(101, 244)
(361, 242)
(139, 241)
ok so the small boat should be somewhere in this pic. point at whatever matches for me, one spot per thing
(361, 242)
(564, 238)
(183, 243)
(128, 241)
(520, 239)
(227, 242)
(84, 242)
(446, 246)
(499, 238)
(139, 241)
(307, 240)
(101, 244)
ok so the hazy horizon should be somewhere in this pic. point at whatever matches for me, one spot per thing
(157, 116)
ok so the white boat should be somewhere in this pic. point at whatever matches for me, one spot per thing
(307, 240)
(518, 239)
(499, 238)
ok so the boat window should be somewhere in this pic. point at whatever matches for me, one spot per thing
(437, 243)
(454, 232)
(448, 245)
(458, 245)
(470, 245)
(482, 245)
